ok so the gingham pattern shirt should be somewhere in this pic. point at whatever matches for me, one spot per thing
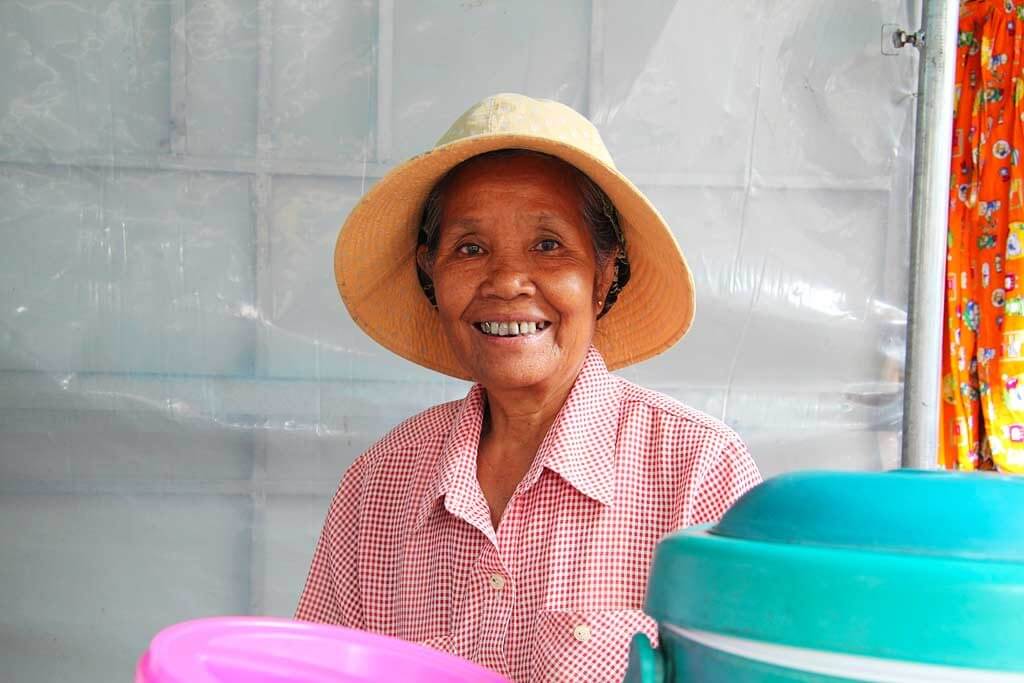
(555, 594)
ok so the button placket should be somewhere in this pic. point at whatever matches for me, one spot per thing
(498, 598)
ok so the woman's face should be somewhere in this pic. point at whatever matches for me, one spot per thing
(515, 257)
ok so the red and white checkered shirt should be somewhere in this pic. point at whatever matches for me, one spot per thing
(555, 594)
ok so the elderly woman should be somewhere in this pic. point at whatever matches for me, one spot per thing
(515, 527)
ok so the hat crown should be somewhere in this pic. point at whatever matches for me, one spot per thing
(512, 114)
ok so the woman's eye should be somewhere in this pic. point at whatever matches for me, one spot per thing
(548, 245)
(470, 249)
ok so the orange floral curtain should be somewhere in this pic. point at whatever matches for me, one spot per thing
(983, 345)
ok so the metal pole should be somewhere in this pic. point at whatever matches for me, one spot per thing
(932, 152)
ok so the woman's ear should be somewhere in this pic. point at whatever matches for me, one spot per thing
(604, 280)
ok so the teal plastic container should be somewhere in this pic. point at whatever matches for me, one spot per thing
(824, 576)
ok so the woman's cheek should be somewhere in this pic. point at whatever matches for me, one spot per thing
(574, 291)
(453, 284)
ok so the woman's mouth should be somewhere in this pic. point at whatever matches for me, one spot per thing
(511, 329)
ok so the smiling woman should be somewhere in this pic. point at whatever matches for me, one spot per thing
(513, 249)
(515, 527)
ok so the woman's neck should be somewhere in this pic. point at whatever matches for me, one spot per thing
(515, 423)
(523, 416)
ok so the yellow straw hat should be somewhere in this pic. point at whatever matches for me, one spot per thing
(375, 257)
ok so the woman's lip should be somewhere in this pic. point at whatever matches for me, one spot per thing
(506, 319)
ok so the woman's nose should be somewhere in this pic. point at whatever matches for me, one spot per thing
(508, 278)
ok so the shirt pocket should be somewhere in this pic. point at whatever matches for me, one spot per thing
(586, 646)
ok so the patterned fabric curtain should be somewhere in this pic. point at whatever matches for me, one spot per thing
(983, 349)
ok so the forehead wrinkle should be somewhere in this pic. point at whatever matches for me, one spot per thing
(467, 222)
(543, 217)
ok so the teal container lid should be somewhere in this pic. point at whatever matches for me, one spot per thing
(917, 566)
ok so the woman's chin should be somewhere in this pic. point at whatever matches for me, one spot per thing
(515, 373)
(519, 362)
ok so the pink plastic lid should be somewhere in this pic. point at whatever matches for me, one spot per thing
(264, 650)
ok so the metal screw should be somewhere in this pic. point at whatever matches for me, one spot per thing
(901, 38)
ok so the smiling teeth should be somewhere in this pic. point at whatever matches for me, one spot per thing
(514, 329)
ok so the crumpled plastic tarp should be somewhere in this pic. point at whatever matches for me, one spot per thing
(180, 386)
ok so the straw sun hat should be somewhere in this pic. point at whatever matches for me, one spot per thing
(375, 257)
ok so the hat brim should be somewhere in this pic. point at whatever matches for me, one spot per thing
(375, 255)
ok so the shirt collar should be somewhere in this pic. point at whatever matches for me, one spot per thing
(454, 476)
(579, 447)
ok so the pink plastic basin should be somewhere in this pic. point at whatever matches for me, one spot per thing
(263, 650)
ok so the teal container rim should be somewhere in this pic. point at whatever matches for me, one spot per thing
(945, 611)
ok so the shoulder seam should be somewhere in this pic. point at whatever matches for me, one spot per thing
(668, 405)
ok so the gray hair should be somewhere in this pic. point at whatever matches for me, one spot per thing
(599, 215)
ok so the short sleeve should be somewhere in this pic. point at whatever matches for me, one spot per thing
(729, 476)
(331, 593)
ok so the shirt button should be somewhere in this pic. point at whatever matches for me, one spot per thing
(582, 633)
(497, 581)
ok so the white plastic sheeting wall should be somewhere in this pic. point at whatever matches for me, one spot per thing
(180, 386)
